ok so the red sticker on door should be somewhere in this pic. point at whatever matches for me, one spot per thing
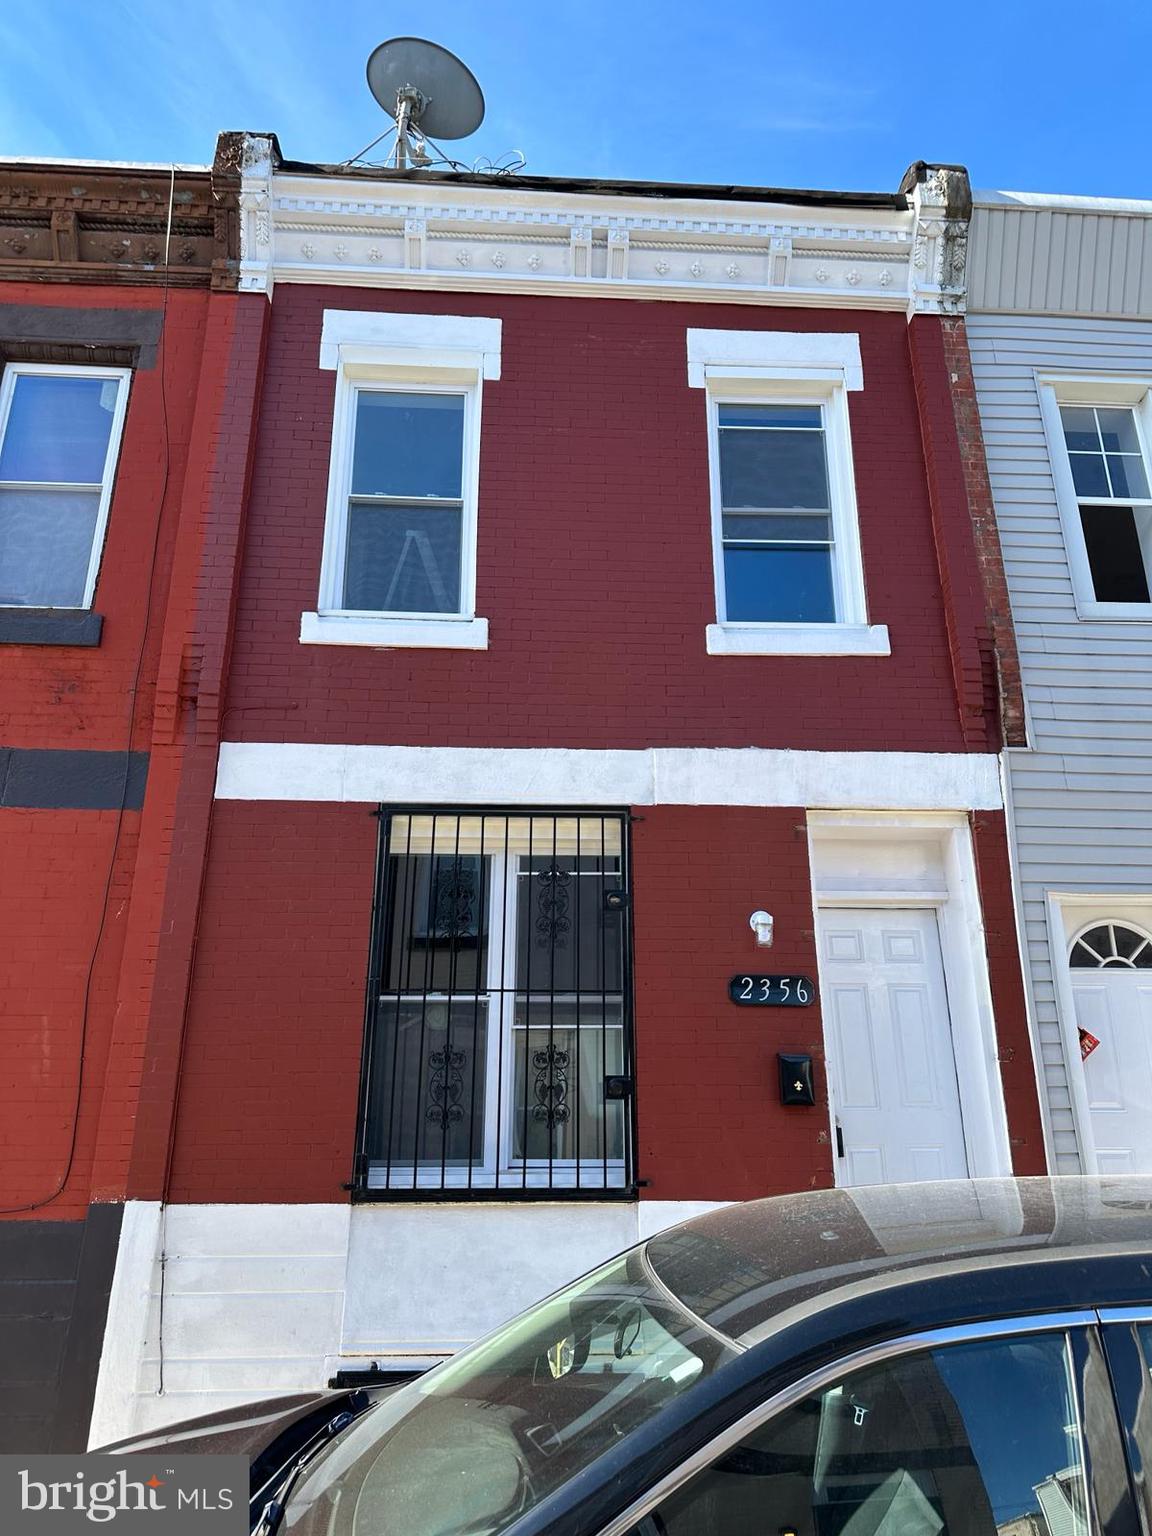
(1088, 1044)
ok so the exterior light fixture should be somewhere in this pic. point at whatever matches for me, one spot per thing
(761, 925)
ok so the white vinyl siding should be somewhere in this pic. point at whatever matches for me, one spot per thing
(1082, 798)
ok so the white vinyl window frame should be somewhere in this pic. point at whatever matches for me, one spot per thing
(1056, 390)
(105, 485)
(402, 354)
(790, 368)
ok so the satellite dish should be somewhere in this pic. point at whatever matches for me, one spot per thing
(429, 92)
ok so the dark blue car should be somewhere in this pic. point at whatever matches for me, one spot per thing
(959, 1359)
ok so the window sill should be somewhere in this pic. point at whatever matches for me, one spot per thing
(1115, 613)
(798, 640)
(50, 626)
(384, 633)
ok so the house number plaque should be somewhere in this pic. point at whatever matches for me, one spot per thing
(756, 991)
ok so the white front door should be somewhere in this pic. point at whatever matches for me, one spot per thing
(1114, 1006)
(889, 1042)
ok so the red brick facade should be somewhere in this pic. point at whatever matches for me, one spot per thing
(185, 976)
(59, 864)
(595, 559)
(594, 564)
(271, 1058)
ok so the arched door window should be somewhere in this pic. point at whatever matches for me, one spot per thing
(1110, 945)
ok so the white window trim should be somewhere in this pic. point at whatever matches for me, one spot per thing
(123, 376)
(1055, 390)
(434, 354)
(849, 634)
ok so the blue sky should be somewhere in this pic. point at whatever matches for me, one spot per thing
(833, 94)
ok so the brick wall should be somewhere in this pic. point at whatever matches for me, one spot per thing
(595, 558)
(711, 1123)
(272, 1055)
(52, 879)
(65, 697)
(985, 533)
(56, 864)
(267, 1108)
(1017, 1068)
(271, 1069)
(137, 1114)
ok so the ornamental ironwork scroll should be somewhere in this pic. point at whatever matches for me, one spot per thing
(454, 898)
(445, 1087)
(553, 898)
(551, 1087)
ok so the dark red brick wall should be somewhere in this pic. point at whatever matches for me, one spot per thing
(595, 561)
(1017, 1068)
(267, 1105)
(147, 1050)
(965, 612)
(271, 1067)
(1006, 679)
(711, 1123)
(267, 1108)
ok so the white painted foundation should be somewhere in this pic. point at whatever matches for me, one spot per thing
(260, 1300)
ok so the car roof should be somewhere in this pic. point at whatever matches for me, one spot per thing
(750, 1271)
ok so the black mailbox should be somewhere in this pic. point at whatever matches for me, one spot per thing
(796, 1079)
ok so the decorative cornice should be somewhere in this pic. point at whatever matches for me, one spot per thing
(308, 228)
(108, 224)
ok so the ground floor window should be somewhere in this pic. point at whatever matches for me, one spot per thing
(498, 1050)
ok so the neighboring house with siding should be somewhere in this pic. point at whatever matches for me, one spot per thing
(1060, 329)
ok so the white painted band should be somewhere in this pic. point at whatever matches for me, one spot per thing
(932, 781)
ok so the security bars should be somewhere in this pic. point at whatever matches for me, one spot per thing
(498, 1049)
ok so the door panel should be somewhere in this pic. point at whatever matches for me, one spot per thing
(890, 1048)
(1115, 1006)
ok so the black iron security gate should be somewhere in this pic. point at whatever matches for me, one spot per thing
(498, 1053)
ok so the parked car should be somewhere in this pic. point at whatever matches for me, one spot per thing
(967, 1358)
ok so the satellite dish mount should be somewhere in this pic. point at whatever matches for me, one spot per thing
(410, 105)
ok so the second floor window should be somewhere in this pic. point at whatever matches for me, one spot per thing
(404, 537)
(776, 513)
(59, 437)
(1110, 479)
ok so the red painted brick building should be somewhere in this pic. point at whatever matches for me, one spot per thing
(117, 297)
(586, 591)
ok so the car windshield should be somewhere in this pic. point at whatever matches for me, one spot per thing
(467, 1449)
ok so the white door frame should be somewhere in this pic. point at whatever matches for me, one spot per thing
(964, 954)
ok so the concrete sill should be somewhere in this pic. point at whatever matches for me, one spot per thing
(386, 633)
(798, 640)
